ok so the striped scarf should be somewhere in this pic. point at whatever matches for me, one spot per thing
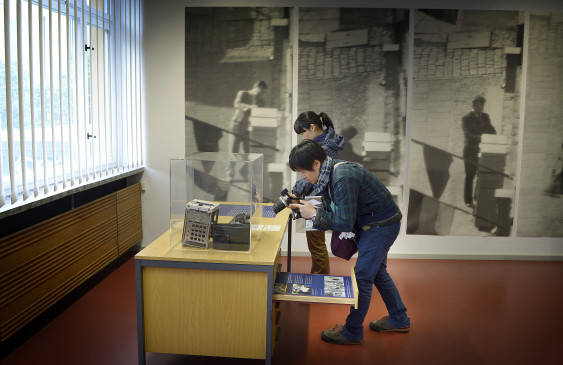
(324, 176)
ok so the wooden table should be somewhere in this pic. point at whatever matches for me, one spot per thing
(203, 302)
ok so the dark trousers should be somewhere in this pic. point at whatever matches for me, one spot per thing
(471, 157)
(371, 270)
(238, 141)
(241, 136)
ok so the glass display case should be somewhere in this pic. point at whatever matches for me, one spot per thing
(216, 201)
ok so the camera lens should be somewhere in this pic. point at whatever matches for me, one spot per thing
(278, 206)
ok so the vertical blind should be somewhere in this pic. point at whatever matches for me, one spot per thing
(70, 107)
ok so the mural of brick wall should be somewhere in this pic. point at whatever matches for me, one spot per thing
(539, 213)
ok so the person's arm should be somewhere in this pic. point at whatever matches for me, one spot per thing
(487, 125)
(302, 187)
(345, 199)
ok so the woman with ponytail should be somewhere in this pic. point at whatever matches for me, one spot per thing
(319, 128)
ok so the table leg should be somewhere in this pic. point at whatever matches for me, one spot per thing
(289, 234)
(140, 324)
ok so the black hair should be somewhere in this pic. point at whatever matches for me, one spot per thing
(305, 119)
(479, 99)
(261, 84)
(304, 154)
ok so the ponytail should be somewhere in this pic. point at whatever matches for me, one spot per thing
(326, 120)
(305, 119)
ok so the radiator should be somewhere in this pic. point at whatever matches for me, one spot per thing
(41, 264)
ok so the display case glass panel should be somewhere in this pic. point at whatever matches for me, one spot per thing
(216, 201)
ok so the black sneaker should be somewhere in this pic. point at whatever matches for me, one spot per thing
(334, 335)
(383, 325)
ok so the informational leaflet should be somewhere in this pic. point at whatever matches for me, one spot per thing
(314, 288)
(317, 202)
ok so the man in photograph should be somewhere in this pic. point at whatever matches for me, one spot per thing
(474, 124)
(244, 102)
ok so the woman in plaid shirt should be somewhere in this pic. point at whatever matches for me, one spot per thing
(354, 200)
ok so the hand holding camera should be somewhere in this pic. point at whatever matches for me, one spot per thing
(304, 208)
(300, 208)
(286, 199)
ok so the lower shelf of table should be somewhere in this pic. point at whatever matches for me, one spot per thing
(312, 288)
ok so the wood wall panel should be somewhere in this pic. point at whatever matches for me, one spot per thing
(20, 312)
(129, 217)
(34, 241)
(128, 198)
(36, 272)
(41, 264)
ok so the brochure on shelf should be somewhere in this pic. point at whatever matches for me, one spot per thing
(315, 288)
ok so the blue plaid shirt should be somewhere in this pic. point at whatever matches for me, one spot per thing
(354, 191)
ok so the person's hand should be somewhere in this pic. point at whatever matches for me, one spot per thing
(306, 209)
(293, 196)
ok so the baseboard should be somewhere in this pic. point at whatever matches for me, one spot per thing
(434, 256)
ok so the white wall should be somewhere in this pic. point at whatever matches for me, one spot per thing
(163, 114)
(163, 93)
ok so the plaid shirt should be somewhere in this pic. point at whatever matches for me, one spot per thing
(355, 192)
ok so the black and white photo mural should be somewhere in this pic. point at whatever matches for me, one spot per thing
(352, 66)
(540, 208)
(467, 71)
(238, 89)
(484, 131)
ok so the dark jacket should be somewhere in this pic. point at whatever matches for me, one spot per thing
(358, 196)
(474, 127)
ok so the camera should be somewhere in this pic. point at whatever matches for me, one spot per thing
(233, 236)
(241, 218)
(284, 202)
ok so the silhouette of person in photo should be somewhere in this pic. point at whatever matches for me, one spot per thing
(555, 186)
(244, 102)
(348, 153)
(474, 124)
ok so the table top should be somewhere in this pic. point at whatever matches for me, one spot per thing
(264, 251)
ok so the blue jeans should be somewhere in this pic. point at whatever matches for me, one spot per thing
(371, 269)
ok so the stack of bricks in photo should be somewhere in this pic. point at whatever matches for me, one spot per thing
(492, 162)
(263, 132)
(378, 147)
(264, 125)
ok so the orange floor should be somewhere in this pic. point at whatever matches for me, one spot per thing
(462, 312)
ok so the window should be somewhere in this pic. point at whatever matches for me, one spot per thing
(70, 98)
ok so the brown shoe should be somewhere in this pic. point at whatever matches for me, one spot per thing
(334, 335)
(383, 325)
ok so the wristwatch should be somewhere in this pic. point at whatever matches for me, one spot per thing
(314, 216)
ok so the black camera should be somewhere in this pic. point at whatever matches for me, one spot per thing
(241, 218)
(284, 202)
(233, 236)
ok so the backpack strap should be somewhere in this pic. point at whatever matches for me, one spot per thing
(329, 183)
